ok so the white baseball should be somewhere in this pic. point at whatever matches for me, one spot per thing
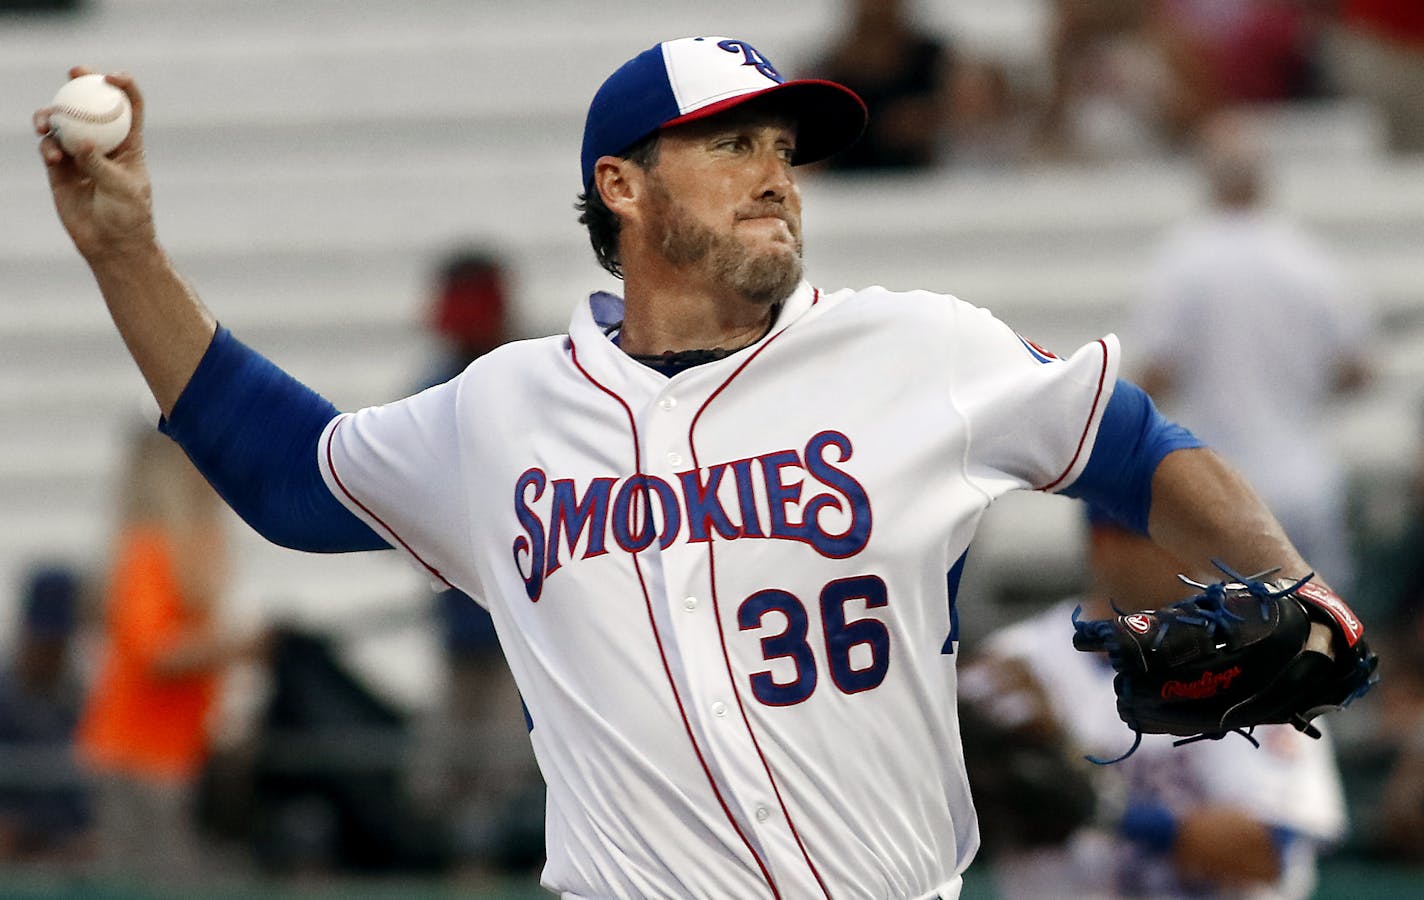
(88, 108)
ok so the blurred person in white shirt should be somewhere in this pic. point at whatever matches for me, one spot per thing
(1247, 331)
(1209, 819)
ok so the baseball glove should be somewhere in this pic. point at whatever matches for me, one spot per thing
(1241, 653)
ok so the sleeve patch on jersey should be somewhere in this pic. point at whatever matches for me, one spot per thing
(1089, 425)
(1035, 350)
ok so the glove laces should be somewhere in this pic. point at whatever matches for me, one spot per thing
(1204, 736)
(1206, 609)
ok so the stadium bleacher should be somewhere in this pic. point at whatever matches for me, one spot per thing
(311, 159)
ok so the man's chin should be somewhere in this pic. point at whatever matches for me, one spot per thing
(773, 250)
(769, 278)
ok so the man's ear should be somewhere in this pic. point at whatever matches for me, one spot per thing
(619, 182)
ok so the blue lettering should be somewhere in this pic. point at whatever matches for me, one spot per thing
(702, 505)
(800, 505)
(746, 496)
(573, 518)
(857, 533)
(672, 515)
(752, 57)
(531, 543)
(779, 494)
(633, 501)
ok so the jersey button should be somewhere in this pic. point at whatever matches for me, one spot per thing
(668, 402)
(719, 708)
(762, 814)
(689, 603)
(674, 458)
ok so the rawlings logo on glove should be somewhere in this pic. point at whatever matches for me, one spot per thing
(1209, 685)
(1241, 653)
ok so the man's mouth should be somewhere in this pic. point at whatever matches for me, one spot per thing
(762, 217)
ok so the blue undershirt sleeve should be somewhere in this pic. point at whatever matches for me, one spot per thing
(1282, 837)
(252, 430)
(1133, 438)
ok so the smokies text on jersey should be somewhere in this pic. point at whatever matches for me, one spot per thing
(630, 513)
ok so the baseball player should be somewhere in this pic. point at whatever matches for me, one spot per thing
(1217, 819)
(719, 524)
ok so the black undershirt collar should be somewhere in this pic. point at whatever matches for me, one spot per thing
(671, 362)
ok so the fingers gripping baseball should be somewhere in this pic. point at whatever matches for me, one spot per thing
(103, 201)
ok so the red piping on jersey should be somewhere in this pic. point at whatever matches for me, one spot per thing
(658, 639)
(1092, 413)
(331, 464)
(716, 606)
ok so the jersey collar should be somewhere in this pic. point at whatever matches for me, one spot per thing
(592, 320)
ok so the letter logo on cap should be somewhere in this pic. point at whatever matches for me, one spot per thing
(753, 58)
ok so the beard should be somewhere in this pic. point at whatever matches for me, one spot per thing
(765, 277)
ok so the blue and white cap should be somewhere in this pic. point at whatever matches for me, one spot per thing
(691, 78)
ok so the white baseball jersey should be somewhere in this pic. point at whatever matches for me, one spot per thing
(724, 595)
(1290, 781)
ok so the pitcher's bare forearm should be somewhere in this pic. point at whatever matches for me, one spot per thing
(162, 322)
(105, 203)
(1204, 510)
(249, 427)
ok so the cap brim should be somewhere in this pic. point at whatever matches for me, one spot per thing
(829, 116)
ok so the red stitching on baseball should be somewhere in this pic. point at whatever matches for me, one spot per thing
(83, 115)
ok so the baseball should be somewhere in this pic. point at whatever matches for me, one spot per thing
(88, 108)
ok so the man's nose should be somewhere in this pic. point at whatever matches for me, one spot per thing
(776, 179)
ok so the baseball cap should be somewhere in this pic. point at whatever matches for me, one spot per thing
(691, 78)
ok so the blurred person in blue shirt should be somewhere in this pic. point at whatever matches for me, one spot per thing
(45, 812)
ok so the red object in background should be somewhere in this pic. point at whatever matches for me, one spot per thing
(470, 304)
(1269, 59)
(1398, 20)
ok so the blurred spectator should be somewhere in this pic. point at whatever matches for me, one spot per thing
(144, 730)
(468, 311)
(1377, 52)
(1398, 815)
(320, 787)
(45, 803)
(1404, 617)
(988, 125)
(1254, 51)
(902, 72)
(1125, 81)
(1247, 331)
(1132, 79)
(1398, 823)
(490, 782)
(1211, 818)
